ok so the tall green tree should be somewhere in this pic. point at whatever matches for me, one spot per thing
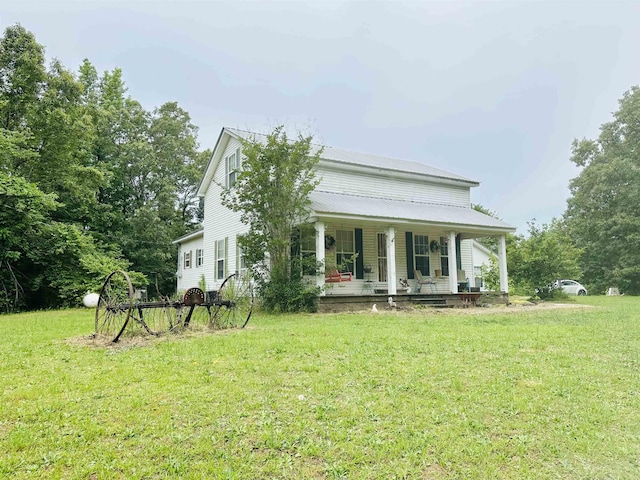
(602, 212)
(22, 76)
(272, 195)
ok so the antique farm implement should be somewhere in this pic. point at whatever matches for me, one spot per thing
(117, 309)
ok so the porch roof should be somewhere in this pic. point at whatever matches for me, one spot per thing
(329, 204)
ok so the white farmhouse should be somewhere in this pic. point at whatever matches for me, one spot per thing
(401, 221)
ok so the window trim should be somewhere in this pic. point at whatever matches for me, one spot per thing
(199, 257)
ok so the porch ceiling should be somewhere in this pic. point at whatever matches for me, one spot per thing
(343, 206)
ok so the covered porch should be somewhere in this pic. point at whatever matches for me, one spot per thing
(423, 250)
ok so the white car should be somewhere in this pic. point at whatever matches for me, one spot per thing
(571, 287)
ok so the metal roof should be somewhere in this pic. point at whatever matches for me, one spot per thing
(368, 159)
(331, 204)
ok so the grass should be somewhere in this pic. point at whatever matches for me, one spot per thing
(515, 394)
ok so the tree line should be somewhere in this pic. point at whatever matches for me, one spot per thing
(90, 181)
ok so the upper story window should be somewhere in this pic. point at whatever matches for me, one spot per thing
(199, 257)
(232, 168)
(187, 259)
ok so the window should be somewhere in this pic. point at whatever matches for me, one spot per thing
(221, 253)
(241, 261)
(346, 250)
(382, 257)
(187, 259)
(199, 257)
(232, 167)
(308, 252)
(477, 273)
(444, 256)
(421, 254)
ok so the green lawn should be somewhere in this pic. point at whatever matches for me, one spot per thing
(516, 394)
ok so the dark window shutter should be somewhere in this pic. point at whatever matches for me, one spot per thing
(226, 172)
(458, 255)
(409, 237)
(360, 259)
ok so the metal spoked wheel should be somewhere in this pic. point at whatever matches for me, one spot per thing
(114, 305)
(201, 317)
(234, 302)
(155, 321)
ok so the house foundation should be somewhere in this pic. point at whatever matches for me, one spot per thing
(359, 303)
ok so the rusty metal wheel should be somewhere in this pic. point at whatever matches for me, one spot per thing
(114, 305)
(234, 302)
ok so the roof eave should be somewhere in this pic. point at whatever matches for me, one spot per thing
(189, 236)
(471, 228)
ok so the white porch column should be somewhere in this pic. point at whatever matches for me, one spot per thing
(391, 261)
(502, 262)
(453, 264)
(319, 226)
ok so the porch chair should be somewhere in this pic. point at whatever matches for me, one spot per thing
(463, 282)
(335, 276)
(425, 281)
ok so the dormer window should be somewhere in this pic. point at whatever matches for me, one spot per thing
(232, 167)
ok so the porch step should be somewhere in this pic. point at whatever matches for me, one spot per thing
(437, 302)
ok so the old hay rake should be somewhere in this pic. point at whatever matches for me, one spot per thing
(117, 309)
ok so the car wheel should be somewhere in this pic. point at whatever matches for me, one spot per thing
(582, 292)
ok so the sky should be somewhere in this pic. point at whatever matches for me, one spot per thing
(495, 91)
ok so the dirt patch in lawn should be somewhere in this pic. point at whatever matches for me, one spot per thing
(515, 307)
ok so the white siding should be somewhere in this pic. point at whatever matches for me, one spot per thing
(467, 260)
(393, 188)
(220, 223)
(190, 276)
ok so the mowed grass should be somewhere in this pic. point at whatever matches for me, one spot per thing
(516, 394)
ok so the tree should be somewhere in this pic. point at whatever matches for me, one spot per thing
(152, 165)
(24, 211)
(546, 255)
(490, 242)
(22, 75)
(44, 263)
(109, 184)
(272, 195)
(602, 212)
